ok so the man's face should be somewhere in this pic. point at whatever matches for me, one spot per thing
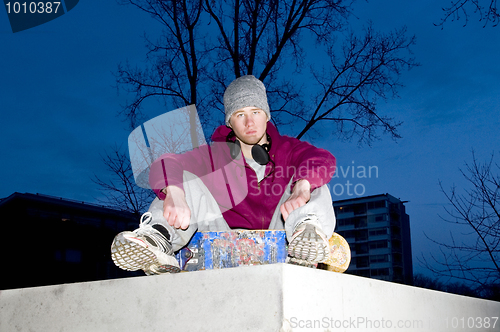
(249, 124)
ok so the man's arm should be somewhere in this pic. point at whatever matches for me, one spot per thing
(301, 194)
(175, 207)
(314, 168)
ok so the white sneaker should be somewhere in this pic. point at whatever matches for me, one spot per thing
(147, 248)
(309, 245)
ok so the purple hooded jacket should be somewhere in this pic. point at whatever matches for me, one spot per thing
(245, 202)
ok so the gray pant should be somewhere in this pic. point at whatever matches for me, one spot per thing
(206, 214)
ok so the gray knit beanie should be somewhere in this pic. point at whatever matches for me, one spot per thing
(245, 91)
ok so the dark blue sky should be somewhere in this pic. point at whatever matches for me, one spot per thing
(59, 109)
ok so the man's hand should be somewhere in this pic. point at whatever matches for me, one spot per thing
(175, 207)
(301, 194)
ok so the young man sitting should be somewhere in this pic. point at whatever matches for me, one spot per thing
(250, 177)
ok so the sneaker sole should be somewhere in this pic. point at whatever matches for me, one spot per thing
(132, 254)
(301, 262)
(308, 247)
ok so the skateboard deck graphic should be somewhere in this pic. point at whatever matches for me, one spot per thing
(340, 255)
(218, 250)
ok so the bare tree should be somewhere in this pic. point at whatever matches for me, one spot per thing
(176, 60)
(314, 82)
(486, 10)
(365, 70)
(290, 45)
(476, 258)
(120, 190)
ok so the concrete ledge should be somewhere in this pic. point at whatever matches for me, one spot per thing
(278, 297)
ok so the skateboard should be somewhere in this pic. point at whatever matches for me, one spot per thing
(219, 250)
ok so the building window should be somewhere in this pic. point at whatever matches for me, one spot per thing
(376, 205)
(73, 256)
(347, 234)
(361, 249)
(343, 209)
(378, 231)
(359, 208)
(378, 244)
(379, 258)
(380, 272)
(344, 222)
(359, 222)
(361, 235)
(362, 262)
(362, 273)
(110, 223)
(68, 255)
(88, 221)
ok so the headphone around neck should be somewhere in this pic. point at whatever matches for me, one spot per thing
(260, 153)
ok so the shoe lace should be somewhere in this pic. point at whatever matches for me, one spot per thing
(311, 219)
(146, 218)
(148, 231)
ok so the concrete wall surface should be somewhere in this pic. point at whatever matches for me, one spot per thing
(277, 298)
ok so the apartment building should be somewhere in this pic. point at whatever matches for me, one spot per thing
(50, 240)
(377, 229)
